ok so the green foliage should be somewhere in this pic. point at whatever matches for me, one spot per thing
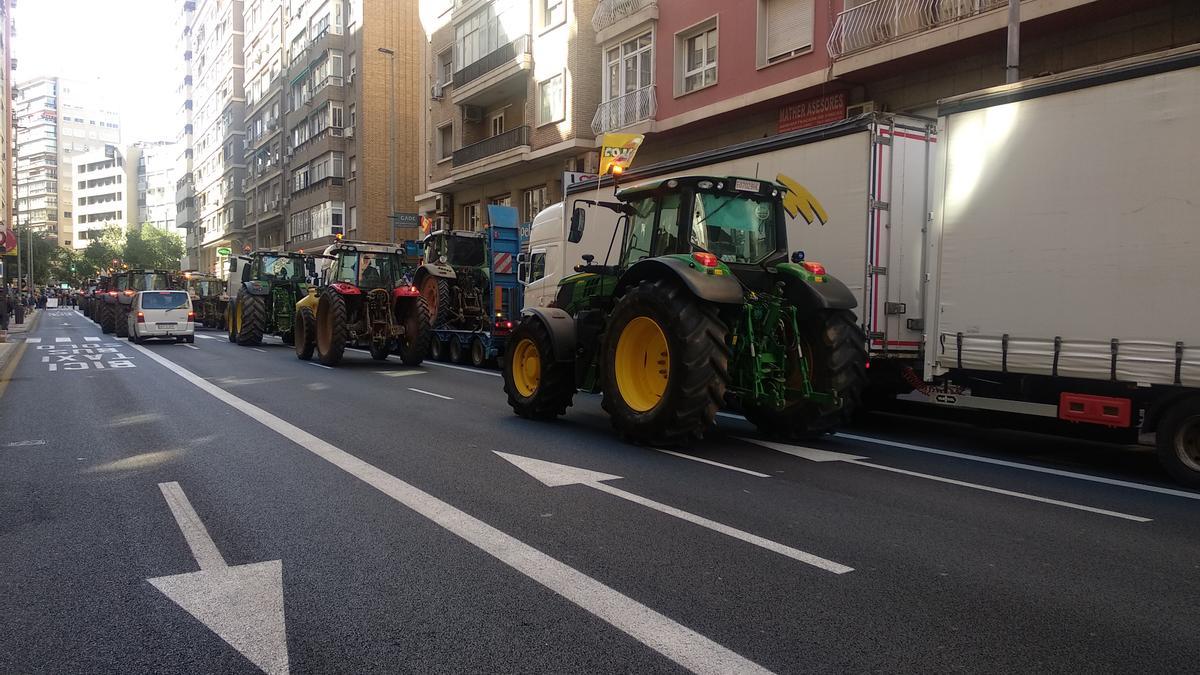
(149, 247)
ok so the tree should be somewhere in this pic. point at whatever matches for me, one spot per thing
(149, 247)
(105, 252)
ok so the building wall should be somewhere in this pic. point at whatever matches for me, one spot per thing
(152, 166)
(101, 193)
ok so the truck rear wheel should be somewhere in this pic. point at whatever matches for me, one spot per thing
(331, 328)
(414, 344)
(835, 350)
(538, 387)
(1179, 441)
(251, 320)
(666, 364)
(306, 333)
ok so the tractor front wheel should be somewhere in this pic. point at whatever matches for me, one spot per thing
(834, 350)
(251, 320)
(331, 328)
(306, 333)
(538, 387)
(666, 364)
(414, 344)
(230, 322)
(380, 349)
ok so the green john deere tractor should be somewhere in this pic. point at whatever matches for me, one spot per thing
(705, 307)
(264, 288)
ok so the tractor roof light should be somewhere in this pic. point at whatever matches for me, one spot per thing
(705, 258)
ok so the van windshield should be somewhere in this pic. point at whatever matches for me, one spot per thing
(165, 300)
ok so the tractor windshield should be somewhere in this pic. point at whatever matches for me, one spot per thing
(150, 281)
(371, 270)
(283, 268)
(465, 251)
(737, 228)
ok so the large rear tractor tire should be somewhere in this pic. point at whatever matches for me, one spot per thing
(331, 328)
(108, 318)
(836, 352)
(251, 320)
(436, 292)
(666, 364)
(538, 387)
(414, 344)
(306, 333)
(1179, 441)
(121, 328)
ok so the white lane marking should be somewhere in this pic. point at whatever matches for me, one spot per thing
(430, 393)
(709, 461)
(319, 365)
(462, 368)
(1023, 467)
(815, 455)
(675, 641)
(191, 346)
(62, 339)
(259, 350)
(21, 444)
(206, 337)
(552, 474)
(242, 604)
(400, 373)
(33, 341)
(91, 339)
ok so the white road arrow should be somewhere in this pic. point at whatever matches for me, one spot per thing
(242, 604)
(558, 475)
(815, 455)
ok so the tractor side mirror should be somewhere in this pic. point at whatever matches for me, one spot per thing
(798, 257)
(578, 221)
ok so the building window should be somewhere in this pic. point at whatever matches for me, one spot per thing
(554, 12)
(445, 141)
(533, 201)
(785, 29)
(353, 166)
(445, 72)
(353, 218)
(496, 122)
(471, 216)
(482, 33)
(629, 66)
(551, 100)
(501, 200)
(696, 57)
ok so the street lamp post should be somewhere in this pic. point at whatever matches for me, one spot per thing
(391, 143)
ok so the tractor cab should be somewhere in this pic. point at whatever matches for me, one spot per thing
(368, 265)
(456, 248)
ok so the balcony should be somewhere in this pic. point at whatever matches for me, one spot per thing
(880, 22)
(613, 17)
(479, 83)
(509, 140)
(625, 111)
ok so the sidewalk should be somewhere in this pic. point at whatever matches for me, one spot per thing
(16, 335)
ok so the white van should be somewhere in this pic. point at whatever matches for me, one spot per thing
(162, 314)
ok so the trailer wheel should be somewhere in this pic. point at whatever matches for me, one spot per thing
(538, 387)
(437, 349)
(478, 353)
(457, 353)
(835, 351)
(666, 364)
(1179, 441)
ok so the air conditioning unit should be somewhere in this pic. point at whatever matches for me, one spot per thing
(441, 223)
(436, 91)
(472, 113)
(442, 204)
(860, 109)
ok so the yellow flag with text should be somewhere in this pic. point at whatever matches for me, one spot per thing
(618, 150)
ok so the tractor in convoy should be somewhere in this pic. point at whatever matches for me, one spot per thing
(90, 297)
(470, 284)
(705, 306)
(115, 303)
(209, 299)
(264, 288)
(367, 299)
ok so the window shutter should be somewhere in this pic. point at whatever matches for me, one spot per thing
(789, 26)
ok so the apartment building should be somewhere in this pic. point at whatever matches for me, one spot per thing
(152, 165)
(57, 121)
(185, 182)
(102, 194)
(702, 74)
(512, 93)
(266, 23)
(217, 105)
(353, 95)
(7, 203)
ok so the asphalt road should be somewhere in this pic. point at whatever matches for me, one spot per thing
(215, 508)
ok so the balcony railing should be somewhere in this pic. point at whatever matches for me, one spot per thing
(513, 138)
(492, 61)
(623, 111)
(881, 21)
(609, 12)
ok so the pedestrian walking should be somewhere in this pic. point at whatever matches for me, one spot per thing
(5, 309)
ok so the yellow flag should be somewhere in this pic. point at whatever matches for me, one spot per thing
(618, 151)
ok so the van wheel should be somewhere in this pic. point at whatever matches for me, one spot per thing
(1179, 441)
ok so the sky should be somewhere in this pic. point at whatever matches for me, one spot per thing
(127, 48)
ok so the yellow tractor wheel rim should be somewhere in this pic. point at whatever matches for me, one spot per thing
(643, 364)
(526, 368)
(237, 330)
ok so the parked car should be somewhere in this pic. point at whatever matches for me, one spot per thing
(162, 314)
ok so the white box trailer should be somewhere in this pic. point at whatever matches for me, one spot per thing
(1066, 251)
(870, 175)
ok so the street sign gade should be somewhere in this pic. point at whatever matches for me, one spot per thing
(224, 250)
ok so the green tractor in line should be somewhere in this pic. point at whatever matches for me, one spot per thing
(705, 308)
(264, 288)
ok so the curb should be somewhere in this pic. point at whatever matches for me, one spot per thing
(18, 345)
